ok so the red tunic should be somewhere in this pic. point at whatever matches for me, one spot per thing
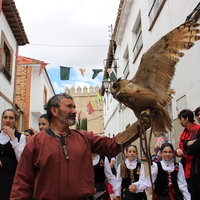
(44, 168)
(188, 134)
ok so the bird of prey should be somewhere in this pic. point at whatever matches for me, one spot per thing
(150, 86)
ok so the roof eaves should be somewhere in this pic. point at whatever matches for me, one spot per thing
(12, 16)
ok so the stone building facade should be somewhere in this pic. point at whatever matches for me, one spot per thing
(82, 98)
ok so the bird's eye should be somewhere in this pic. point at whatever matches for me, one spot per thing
(114, 85)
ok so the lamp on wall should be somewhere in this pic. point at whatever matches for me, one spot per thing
(106, 83)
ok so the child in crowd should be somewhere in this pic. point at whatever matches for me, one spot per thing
(102, 173)
(168, 178)
(135, 173)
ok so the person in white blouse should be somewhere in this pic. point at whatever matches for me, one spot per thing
(168, 178)
(11, 146)
(135, 174)
(102, 173)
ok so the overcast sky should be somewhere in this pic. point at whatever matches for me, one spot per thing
(71, 33)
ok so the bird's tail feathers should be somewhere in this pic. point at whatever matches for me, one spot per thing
(158, 130)
(161, 120)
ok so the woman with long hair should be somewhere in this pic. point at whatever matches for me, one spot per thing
(11, 146)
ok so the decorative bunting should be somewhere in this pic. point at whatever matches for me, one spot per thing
(42, 66)
(64, 73)
(82, 71)
(99, 97)
(96, 72)
(24, 60)
(93, 102)
(19, 60)
(113, 77)
(90, 108)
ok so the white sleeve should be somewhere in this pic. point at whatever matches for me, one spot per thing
(118, 182)
(143, 185)
(142, 174)
(18, 146)
(182, 183)
(109, 175)
(141, 177)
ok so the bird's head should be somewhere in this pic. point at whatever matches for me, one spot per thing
(118, 86)
(114, 87)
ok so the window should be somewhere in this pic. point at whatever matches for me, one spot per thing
(137, 37)
(181, 103)
(126, 63)
(115, 66)
(6, 55)
(155, 11)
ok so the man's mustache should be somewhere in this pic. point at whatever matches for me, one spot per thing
(72, 115)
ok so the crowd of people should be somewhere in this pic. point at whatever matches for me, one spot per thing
(62, 163)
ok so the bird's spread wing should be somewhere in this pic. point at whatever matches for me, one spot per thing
(157, 66)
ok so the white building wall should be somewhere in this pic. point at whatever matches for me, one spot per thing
(186, 80)
(3, 106)
(6, 87)
(37, 95)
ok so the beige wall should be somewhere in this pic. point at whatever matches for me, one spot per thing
(82, 97)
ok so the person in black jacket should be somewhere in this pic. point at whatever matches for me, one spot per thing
(193, 149)
(102, 173)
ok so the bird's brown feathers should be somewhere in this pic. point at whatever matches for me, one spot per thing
(157, 66)
(150, 86)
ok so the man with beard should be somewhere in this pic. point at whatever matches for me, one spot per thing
(56, 164)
